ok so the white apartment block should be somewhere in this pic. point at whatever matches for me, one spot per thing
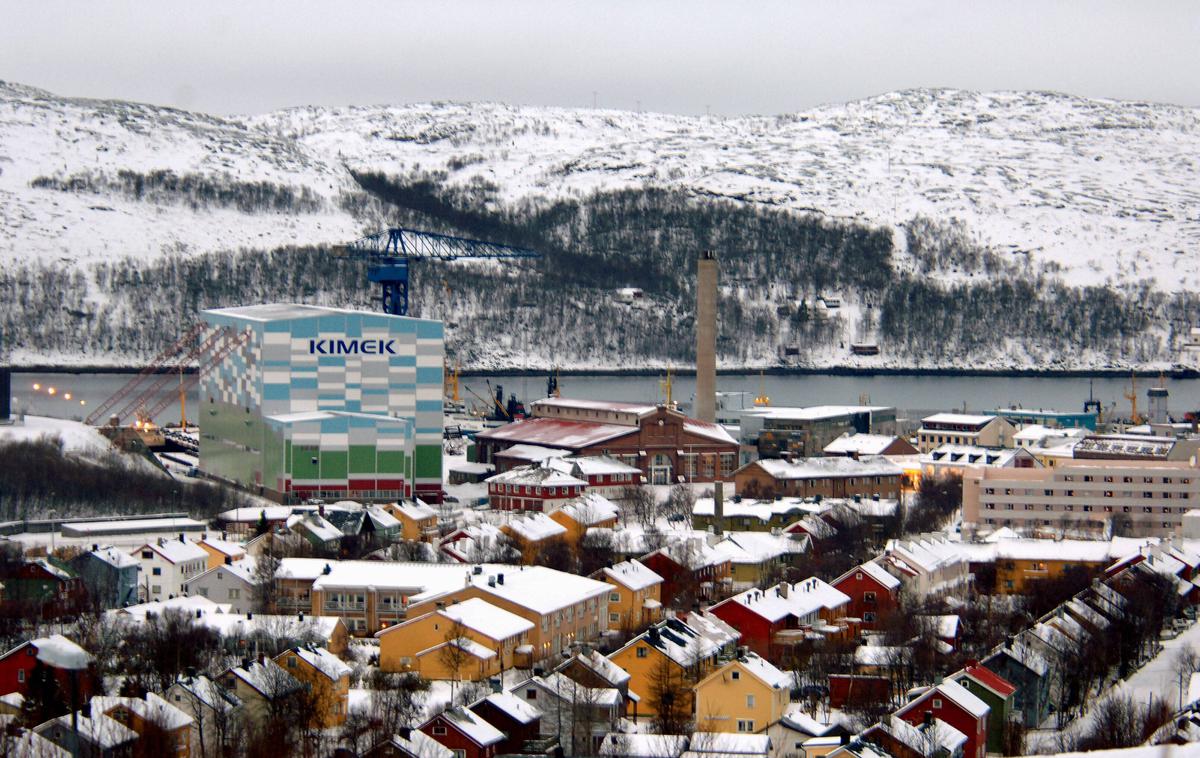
(1132, 498)
(166, 565)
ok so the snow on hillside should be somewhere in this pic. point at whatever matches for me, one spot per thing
(43, 135)
(1107, 190)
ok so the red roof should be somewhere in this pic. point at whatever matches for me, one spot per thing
(989, 679)
(554, 432)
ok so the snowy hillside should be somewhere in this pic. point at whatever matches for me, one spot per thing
(1026, 230)
(48, 137)
(1108, 191)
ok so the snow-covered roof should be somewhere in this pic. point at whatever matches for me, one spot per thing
(153, 709)
(685, 642)
(572, 691)
(954, 691)
(918, 738)
(599, 465)
(602, 666)
(590, 508)
(114, 557)
(693, 552)
(812, 413)
(481, 616)
(974, 455)
(188, 604)
(100, 730)
(224, 547)
(267, 677)
(538, 588)
(798, 600)
(380, 518)
(632, 574)
(421, 745)
(316, 525)
(467, 645)
(958, 419)
(60, 652)
(303, 568)
(987, 678)
(536, 476)
(873, 570)
(763, 510)
(473, 726)
(763, 670)
(324, 661)
(823, 468)
(535, 527)
(414, 510)
(252, 514)
(729, 743)
(754, 548)
(30, 744)
(714, 432)
(556, 432)
(860, 444)
(518, 709)
(638, 745)
(533, 453)
(279, 626)
(175, 550)
(50, 567)
(639, 409)
(208, 692)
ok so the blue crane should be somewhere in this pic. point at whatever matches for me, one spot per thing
(389, 252)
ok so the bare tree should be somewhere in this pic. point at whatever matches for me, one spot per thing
(454, 655)
(670, 698)
(641, 504)
(266, 566)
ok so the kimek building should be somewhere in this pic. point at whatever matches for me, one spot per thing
(324, 403)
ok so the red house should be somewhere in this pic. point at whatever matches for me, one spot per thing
(690, 570)
(532, 488)
(520, 721)
(464, 730)
(872, 592)
(56, 653)
(779, 616)
(952, 703)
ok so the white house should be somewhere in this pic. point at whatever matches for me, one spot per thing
(232, 584)
(166, 565)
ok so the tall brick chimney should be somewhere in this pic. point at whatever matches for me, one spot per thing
(706, 337)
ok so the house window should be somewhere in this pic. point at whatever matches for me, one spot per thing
(613, 618)
(459, 753)
(749, 701)
(20, 675)
(869, 616)
(642, 652)
(937, 703)
(614, 597)
(157, 571)
(735, 675)
(147, 554)
(868, 597)
(745, 725)
(292, 663)
(531, 694)
(440, 731)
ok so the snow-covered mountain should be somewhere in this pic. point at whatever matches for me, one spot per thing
(1106, 190)
(1088, 192)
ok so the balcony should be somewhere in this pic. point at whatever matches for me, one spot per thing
(344, 605)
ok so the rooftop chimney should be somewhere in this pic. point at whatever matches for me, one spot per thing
(705, 407)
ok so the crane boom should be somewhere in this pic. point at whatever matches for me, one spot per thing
(388, 254)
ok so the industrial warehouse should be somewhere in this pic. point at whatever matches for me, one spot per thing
(325, 403)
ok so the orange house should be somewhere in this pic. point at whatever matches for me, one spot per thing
(327, 677)
(466, 641)
(584, 512)
(636, 597)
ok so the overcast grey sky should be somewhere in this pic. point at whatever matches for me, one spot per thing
(735, 57)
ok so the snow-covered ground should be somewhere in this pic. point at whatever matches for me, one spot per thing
(76, 437)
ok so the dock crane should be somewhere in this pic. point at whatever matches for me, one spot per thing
(389, 252)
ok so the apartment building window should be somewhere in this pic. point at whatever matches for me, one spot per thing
(1166, 509)
(990, 491)
(1147, 494)
(1166, 480)
(1068, 478)
(745, 725)
(1125, 509)
(1068, 507)
(1108, 493)
(1166, 524)
(989, 506)
(1147, 480)
(1049, 507)
(1108, 509)
(1127, 479)
(1048, 493)
(1146, 509)
(1166, 496)
(1029, 506)
(1088, 478)
(1070, 493)
(1183, 496)
(1087, 509)
(1008, 506)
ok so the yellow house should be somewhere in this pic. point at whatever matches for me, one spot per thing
(563, 608)
(635, 600)
(418, 521)
(466, 641)
(584, 512)
(326, 676)
(674, 654)
(257, 684)
(221, 550)
(747, 694)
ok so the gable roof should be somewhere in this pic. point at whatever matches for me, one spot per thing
(986, 678)
(872, 570)
(756, 666)
(632, 574)
(489, 620)
(557, 433)
(513, 706)
(322, 660)
(175, 551)
(470, 724)
(797, 600)
(955, 693)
